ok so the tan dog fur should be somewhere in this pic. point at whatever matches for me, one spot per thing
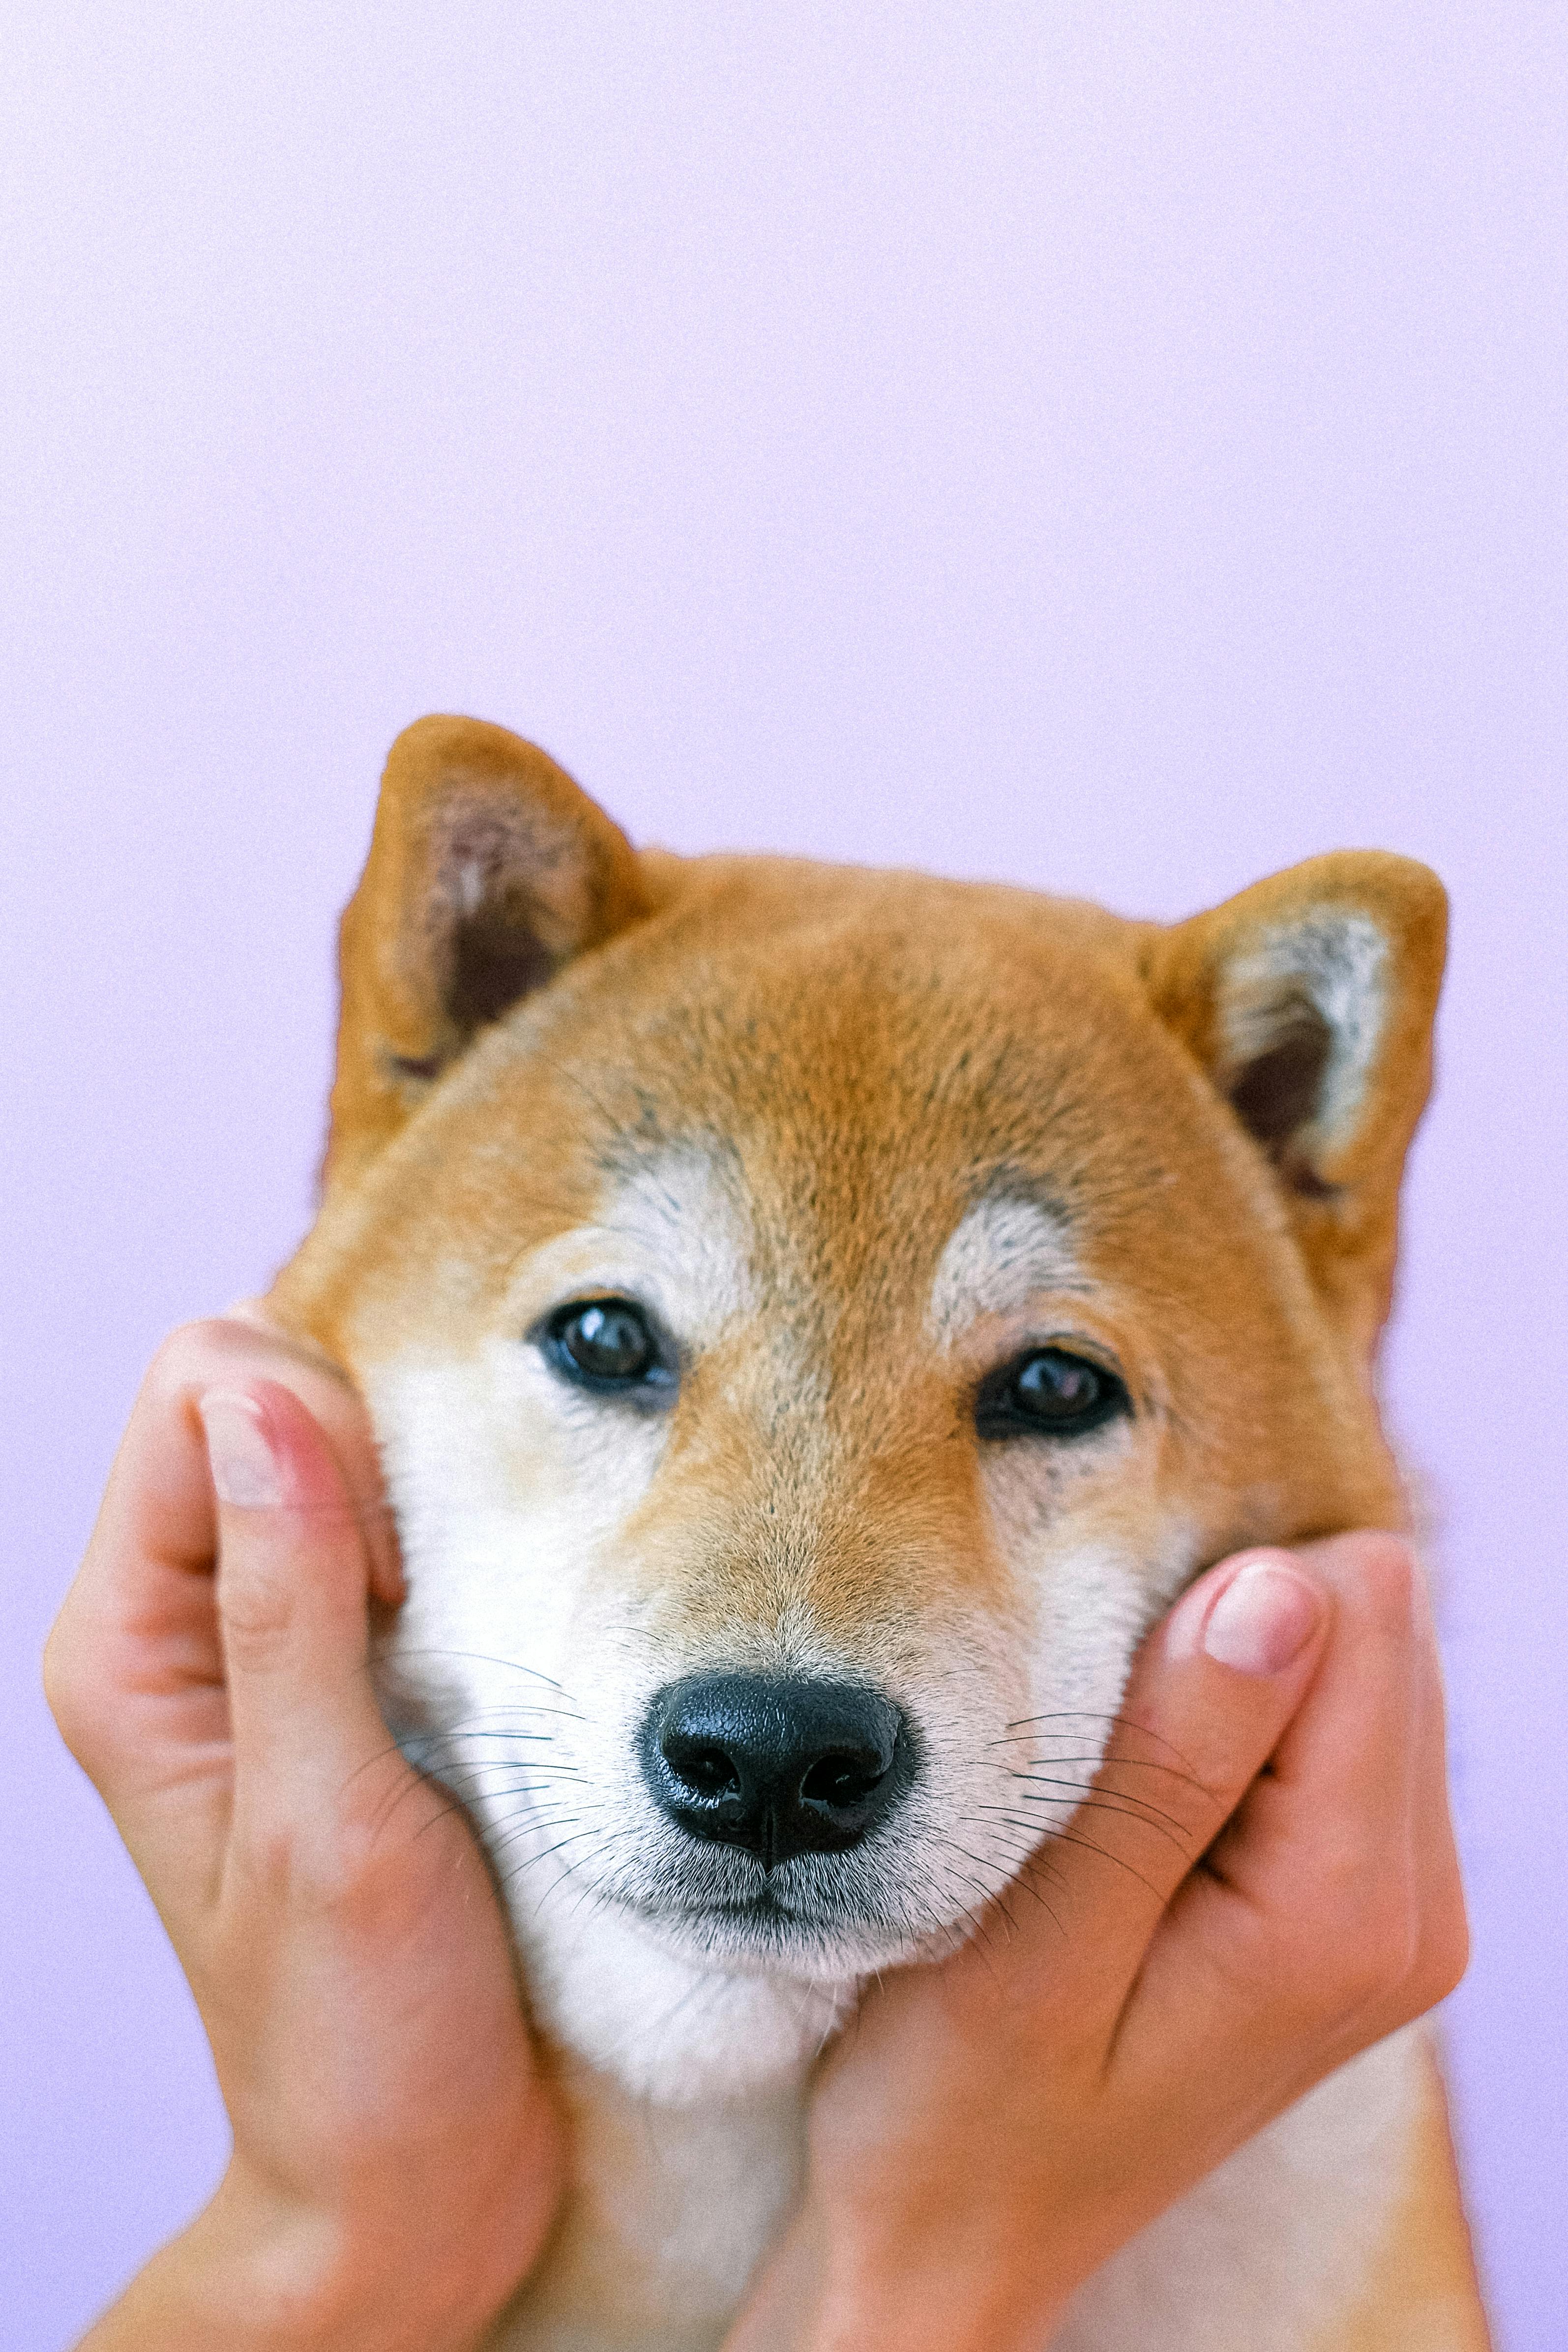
(871, 1131)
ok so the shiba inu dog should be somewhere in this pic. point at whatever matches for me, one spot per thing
(814, 1322)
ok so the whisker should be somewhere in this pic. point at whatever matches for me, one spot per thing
(1091, 1715)
(1063, 1837)
(1095, 1788)
(482, 1658)
(1163, 1824)
(529, 1861)
(492, 1726)
(540, 1827)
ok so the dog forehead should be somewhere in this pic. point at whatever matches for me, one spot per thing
(682, 1218)
(950, 1045)
(843, 1104)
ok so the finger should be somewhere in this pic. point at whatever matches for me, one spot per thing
(1340, 1786)
(293, 1588)
(155, 1527)
(329, 1394)
(1301, 1939)
(1210, 1696)
(134, 1668)
(1356, 1803)
(134, 1663)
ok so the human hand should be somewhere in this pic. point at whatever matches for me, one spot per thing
(993, 2128)
(397, 2158)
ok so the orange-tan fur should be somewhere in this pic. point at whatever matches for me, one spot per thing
(782, 1088)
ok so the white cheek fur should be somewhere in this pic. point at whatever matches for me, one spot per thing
(1092, 1598)
(521, 1654)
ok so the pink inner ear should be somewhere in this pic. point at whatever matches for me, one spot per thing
(495, 960)
(495, 955)
(1278, 1092)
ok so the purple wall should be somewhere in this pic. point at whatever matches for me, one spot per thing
(1118, 449)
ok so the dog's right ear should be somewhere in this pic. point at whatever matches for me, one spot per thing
(489, 869)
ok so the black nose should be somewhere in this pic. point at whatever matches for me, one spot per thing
(780, 1765)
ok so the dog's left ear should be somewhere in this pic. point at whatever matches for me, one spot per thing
(1309, 1000)
(489, 869)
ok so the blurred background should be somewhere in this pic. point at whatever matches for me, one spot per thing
(1115, 449)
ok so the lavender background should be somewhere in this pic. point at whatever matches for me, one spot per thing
(1117, 449)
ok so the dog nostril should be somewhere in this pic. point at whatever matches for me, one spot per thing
(842, 1781)
(706, 1770)
(780, 1765)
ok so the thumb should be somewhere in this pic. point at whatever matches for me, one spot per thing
(1210, 1694)
(292, 1589)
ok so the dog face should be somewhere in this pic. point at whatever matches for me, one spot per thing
(815, 1320)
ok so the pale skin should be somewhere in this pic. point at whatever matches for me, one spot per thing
(1285, 1893)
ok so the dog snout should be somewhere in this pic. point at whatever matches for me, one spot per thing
(780, 1766)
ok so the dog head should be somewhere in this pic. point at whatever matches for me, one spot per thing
(815, 1320)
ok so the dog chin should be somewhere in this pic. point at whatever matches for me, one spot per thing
(764, 1937)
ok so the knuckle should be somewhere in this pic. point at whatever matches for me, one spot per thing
(336, 1871)
(354, 1874)
(1376, 1950)
(1444, 1957)
(1359, 1940)
(66, 1693)
(292, 1844)
(256, 1611)
(194, 1354)
(186, 1354)
(1388, 1576)
(271, 1858)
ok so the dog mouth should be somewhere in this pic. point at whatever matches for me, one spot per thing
(766, 1904)
(765, 1907)
(813, 1930)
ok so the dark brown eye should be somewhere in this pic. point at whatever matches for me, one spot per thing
(1048, 1392)
(606, 1344)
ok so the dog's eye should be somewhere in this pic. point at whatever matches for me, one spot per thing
(606, 1343)
(1048, 1392)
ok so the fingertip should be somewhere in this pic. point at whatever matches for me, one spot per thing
(266, 1450)
(246, 1469)
(1265, 1620)
(292, 1577)
(1258, 1612)
(252, 1312)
